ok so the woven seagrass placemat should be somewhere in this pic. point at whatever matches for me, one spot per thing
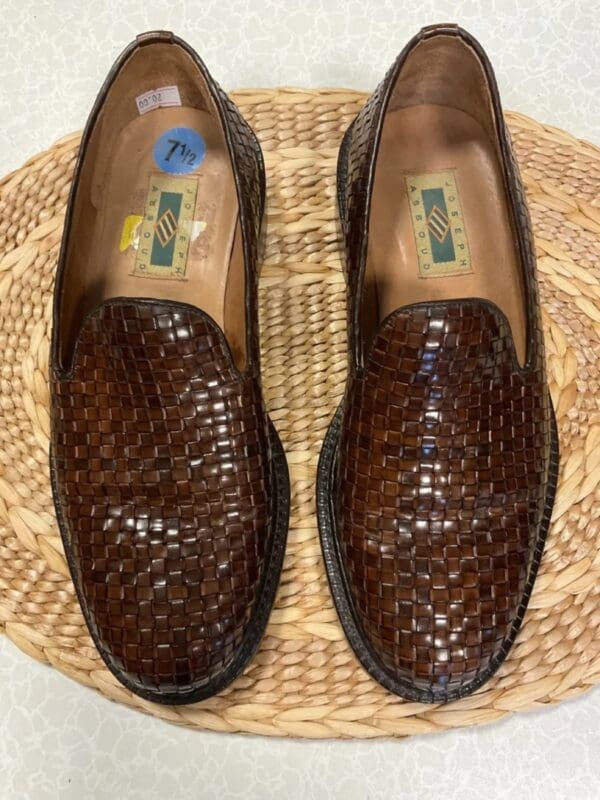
(305, 681)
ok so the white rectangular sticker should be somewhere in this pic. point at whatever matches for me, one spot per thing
(158, 98)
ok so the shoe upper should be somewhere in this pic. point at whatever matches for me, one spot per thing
(444, 455)
(161, 457)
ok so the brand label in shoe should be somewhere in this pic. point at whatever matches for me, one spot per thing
(179, 151)
(440, 236)
(166, 228)
(164, 97)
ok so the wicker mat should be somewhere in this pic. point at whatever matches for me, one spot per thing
(305, 681)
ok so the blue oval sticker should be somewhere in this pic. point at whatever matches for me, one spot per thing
(179, 151)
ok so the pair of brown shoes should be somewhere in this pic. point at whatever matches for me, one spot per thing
(437, 475)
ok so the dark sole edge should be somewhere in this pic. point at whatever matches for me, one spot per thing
(265, 593)
(326, 486)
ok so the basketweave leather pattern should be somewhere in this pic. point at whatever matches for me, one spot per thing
(444, 452)
(443, 455)
(162, 459)
(248, 166)
(163, 467)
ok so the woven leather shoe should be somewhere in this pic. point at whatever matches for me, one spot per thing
(437, 477)
(169, 481)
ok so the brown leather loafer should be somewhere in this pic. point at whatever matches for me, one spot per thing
(169, 480)
(437, 476)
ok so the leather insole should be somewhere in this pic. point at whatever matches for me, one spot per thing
(213, 274)
(417, 141)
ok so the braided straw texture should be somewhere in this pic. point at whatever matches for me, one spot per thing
(305, 681)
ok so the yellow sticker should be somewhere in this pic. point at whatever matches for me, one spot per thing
(166, 227)
(438, 225)
(129, 234)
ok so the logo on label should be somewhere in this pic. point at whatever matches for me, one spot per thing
(166, 227)
(440, 236)
(437, 222)
(179, 151)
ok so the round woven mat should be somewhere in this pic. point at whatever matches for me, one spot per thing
(305, 681)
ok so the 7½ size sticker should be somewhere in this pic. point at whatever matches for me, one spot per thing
(179, 151)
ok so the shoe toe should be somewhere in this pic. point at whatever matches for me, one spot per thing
(170, 623)
(434, 628)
